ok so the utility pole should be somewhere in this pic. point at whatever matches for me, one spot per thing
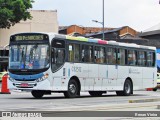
(103, 18)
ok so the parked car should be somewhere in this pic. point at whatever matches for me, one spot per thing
(1, 75)
(158, 82)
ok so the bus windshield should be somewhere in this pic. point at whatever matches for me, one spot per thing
(29, 56)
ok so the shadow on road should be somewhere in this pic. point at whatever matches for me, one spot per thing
(46, 97)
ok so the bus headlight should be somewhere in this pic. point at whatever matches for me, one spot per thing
(11, 79)
(43, 78)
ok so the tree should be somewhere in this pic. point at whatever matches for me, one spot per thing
(12, 11)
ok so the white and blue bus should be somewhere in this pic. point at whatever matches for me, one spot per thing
(43, 63)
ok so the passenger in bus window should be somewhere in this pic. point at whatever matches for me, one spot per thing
(130, 59)
(111, 59)
(108, 58)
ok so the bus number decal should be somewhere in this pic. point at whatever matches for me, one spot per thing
(134, 71)
(76, 69)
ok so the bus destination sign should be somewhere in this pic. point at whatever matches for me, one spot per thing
(29, 37)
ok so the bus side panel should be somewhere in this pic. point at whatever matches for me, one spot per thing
(80, 72)
(123, 73)
(101, 74)
(62, 76)
(60, 79)
(57, 84)
(135, 73)
(149, 77)
(112, 76)
(91, 70)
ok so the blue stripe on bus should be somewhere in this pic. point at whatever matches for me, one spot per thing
(93, 40)
(107, 74)
(68, 72)
(26, 77)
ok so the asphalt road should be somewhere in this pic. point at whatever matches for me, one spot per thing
(23, 101)
(145, 101)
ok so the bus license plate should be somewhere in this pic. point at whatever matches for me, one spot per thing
(24, 85)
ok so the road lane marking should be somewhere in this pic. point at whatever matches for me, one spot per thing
(144, 100)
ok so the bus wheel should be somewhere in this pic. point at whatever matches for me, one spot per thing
(154, 89)
(37, 93)
(96, 93)
(127, 90)
(119, 93)
(73, 89)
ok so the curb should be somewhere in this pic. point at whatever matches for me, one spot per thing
(144, 100)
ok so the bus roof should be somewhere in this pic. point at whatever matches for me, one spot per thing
(95, 40)
(99, 41)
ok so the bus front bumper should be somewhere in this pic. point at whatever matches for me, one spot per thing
(29, 86)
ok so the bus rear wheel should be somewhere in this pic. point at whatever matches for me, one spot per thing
(127, 89)
(96, 93)
(73, 89)
(37, 93)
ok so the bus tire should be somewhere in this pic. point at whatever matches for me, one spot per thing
(96, 93)
(119, 93)
(37, 94)
(154, 89)
(127, 89)
(73, 89)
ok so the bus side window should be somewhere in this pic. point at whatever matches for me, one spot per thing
(141, 58)
(77, 53)
(83, 54)
(87, 53)
(132, 57)
(121, 56)
(60, 56)
(74, 50)
(150, 59)
(99, 54)
(71, 53)
(111, 55)
(154, 59)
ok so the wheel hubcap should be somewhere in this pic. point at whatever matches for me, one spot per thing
(72, 88)
(127, 88)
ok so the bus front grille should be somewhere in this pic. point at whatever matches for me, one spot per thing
(24, 85)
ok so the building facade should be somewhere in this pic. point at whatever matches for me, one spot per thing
(80, 29)
(153, 36)
(96, 32)
(115, 33)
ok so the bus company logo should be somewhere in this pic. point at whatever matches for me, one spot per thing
(6, 114)
(134, 71)
(76, 69)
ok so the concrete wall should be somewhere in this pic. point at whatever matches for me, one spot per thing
(42, 21)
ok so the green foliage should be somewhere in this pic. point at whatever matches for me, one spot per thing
(12, 11)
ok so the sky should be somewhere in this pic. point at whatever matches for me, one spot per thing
(138, 14)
